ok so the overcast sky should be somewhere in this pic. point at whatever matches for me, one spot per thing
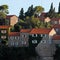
(16, 5)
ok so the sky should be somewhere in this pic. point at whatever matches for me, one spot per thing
(16, 5)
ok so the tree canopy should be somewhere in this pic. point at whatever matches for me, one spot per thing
(21, 14)
(38, 10)
(3, 13)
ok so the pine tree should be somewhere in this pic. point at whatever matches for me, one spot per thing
(21, 15)
(59, 8)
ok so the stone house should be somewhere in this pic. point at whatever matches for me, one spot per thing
(11, 20)
(24, 37)
(56, 39)
(55, 21)
(46, 48)
(19, 39)
(29, 37)
(14, 39)
(45, 19)
(57, 28)
(36, 35)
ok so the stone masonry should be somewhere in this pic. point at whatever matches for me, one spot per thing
(46, 49)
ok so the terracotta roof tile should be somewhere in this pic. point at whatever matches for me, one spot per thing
(56, 19)
(40, 31)
(4, 27)
(56, 26)
(14, 34)
(25, 30)
(9, 16)
(43, 14)
(56, 37)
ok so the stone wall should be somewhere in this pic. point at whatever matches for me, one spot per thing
(46, 50)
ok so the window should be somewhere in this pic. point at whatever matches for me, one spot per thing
(57, 30)
(23, 42)
(12, 43)
(34, 35)
(34, 41)
(3, 37)
(16, 44)
(43, 41)
(45, 35)
(23, 36)
(50, 41)
(15, 37)
(41, 35)
(3, 31)
(55, 22)
(18, 38)
(12, 38)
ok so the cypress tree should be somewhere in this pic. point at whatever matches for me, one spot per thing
(51, 8)
(51, 11)
(59, 8)
(21, 15)
(30, 11)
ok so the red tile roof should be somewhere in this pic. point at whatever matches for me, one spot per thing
(25, 30)
(43, 14)
(40, 31)
(4, 27)
(56, 37)
(56, 19)
(56, 26)
(9, 16)
(14, 34)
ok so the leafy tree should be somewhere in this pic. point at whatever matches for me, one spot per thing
(47, 24)
(2, 18)
(28, 21)
(5, 9)
(23, 24)
(38, 10)
(35, 22)
(3, 13)
(42, 25)
(21, 15)
(16, 28)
